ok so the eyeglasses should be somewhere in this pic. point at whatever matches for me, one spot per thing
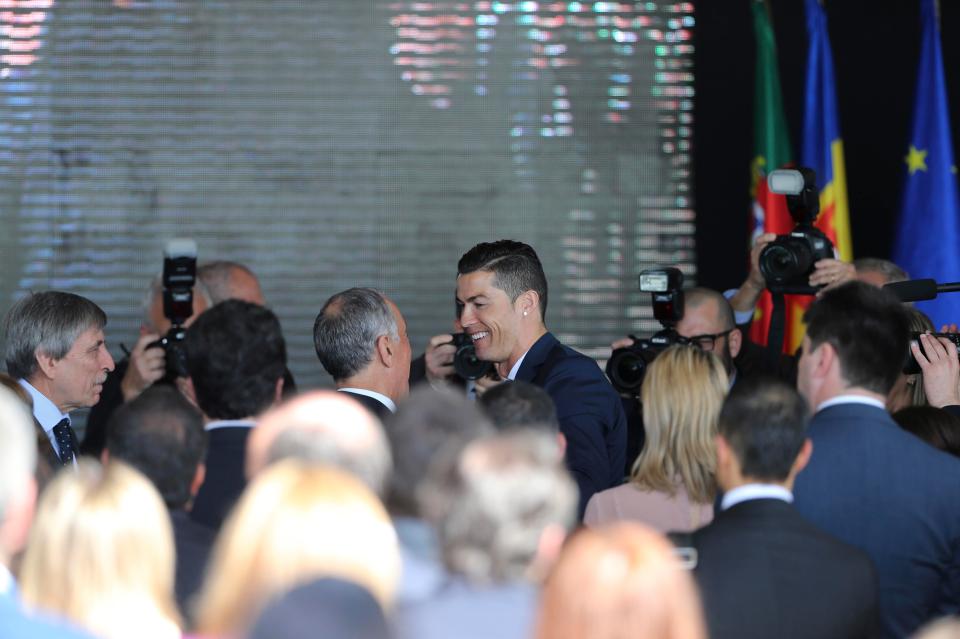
(706, 342)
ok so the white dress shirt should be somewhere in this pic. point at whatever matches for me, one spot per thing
(47, 413)
(748, 492)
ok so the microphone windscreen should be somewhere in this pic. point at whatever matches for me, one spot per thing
(913, 290)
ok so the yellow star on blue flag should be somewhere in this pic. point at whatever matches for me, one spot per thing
(916, 160)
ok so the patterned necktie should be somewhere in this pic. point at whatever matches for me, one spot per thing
(64, 441)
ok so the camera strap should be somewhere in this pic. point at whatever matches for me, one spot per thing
(775, 336)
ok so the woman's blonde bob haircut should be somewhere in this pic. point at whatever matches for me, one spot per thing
(101, 553)
(295, 523)
(620, 581)
(682, 394)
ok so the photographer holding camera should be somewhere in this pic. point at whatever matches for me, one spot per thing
(450, 358)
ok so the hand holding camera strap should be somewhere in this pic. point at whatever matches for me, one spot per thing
(778, 323)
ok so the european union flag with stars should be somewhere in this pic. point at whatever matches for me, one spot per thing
(928, 237)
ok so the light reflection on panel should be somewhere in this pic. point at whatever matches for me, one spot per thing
(333, 144)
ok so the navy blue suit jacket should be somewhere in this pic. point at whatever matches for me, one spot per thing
(590, 413)
(879, 488)
(764, 571)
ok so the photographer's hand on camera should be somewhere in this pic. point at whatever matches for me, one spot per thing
(482, 384)
(746, 297)
(941, 369)
(831, 273)
(438, 358)
(147, 365)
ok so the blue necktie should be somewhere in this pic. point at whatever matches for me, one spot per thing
(64, 441)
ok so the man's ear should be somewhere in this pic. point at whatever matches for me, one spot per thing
(384, 350)
(198, 477)
(735, 340)
(185, 386)
(278, 391)
(723, 450)
(529, 303)
(803, 457)
(46, 364)
(824, 358)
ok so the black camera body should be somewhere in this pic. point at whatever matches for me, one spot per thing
(465, 360)
(627, 366)
(787, 262)
(912, 367)
(179, 277)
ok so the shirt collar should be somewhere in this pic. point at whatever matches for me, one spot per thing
(748, 492)
(516, 367)
(228, 423)
(851, 399)
(44, 410)
(383, 399)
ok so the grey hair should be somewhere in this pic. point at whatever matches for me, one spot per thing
(48, 322)
(347, 327)
(216, 277)
(491, 503)
(890, 271)
(371, 463)
(18, 454)
(155, 291)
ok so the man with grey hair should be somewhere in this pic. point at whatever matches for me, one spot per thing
(55, 347)
(18, 494)
(322, 427)
(226, 280)
(501, 507)
(361, 340)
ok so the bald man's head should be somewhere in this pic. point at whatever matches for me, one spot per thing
(327, 428)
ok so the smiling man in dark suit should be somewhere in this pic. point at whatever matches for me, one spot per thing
(55, 347)
(361, 340)
(502, 304)
(870, 483)
(763, 570)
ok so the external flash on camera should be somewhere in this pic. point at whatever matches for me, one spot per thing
(786, 181)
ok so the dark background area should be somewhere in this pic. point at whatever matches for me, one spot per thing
(876, 47)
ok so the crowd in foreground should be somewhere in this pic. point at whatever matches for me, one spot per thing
(219, 502)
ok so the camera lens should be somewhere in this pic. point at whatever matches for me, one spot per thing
(784, 260)
(626, 368)
(468, 365)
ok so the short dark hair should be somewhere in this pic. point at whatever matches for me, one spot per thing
(868, 327)
(515, 266)
(48, 322)
(696, 296)
(937, 427)
(346, 330)
(520, 404)
(765, 423)
(428, 421)
(160, 434)
(235, 354)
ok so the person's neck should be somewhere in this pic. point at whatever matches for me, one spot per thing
(375, 381)
(45, 387)
(731, 483)
(524, 344)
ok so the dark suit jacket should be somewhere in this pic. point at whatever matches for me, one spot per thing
(225, 478)
(193, 542)
(590, 413)
(879, 488)
(372, 404)
(766, 572)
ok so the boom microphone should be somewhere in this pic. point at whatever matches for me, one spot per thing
(920, 290)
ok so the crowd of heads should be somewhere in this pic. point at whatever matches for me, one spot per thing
(325, 484)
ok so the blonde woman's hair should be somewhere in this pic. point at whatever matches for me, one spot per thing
(682, 394)
(101, 553)
(296, 523)
(619, 582)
